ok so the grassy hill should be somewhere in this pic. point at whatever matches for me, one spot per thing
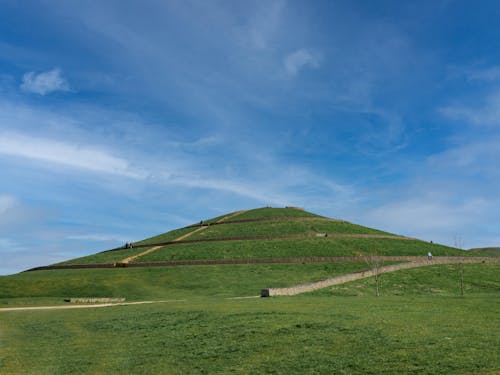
(211, 319)
(270, 233)
(487, 251)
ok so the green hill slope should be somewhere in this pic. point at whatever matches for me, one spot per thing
(269, 233)
(487, 251)
(209, 319)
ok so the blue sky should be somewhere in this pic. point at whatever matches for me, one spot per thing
(124, 119)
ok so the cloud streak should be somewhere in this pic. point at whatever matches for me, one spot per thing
(299, 60)
(487, 114)
(45, 82)
(66, 154)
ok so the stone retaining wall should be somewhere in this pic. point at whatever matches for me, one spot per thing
(418, 262)
(412, 259)
(93, 300)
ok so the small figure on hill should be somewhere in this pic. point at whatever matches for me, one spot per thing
(429, 255)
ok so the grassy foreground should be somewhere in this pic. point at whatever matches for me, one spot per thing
(139, 284)
(419, 325)
(304, 334)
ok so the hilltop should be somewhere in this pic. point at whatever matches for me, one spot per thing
(200, 311)
(265, 233)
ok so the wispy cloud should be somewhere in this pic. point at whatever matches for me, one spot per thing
(265, 22)
(45, 82)
(66, 154)
(300, 59)
(490, 74)
(6, 202)
(426, 213)
(487, 114)
(15, 216)
(475, 158)
(98, 237)
(430, 217)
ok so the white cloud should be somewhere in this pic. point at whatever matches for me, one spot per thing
(6, 203)
(45, 82)
(265, 23)
(98, 237)
(15, 215)
(491, 74)
(474, 157)
(431, 217)
(486, 115)
(300, 59)
(66, 154)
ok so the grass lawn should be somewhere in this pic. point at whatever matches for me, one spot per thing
(165, 237)
(106, 257)
(297, 248)
(443, 279)
(268, 212)
(136, 284)
(419, 325)
(488, 252)
(269, 228)
(292, 335)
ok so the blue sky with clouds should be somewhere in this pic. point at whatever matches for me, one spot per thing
(123, 119)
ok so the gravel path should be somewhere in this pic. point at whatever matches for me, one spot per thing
(65, 307)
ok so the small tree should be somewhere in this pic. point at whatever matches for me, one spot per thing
(375, 263)
(459, 244)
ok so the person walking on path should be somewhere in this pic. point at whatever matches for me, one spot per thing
(429, 255)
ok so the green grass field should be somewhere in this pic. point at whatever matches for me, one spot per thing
(270, 228)
(268, 212)
(297, 248)
(106, 256)
(420, 324)
(424, 327)
(439, 280)
(487, 252)
(416, 333)
(136, 284)
(165, 237)
(276, 248)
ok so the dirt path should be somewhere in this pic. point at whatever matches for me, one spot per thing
(309, 287)
(230, 216)
(65, 307)
(134, 257)
(178, 239)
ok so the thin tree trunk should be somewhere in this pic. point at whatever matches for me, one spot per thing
(461, 279)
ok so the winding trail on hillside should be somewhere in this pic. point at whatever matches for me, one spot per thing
(309, 287)
(226, 220)
(178, 239)
(183, 240)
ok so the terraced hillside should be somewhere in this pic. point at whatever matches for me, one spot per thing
(266, 233)
(487, 251)
(205, 316)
